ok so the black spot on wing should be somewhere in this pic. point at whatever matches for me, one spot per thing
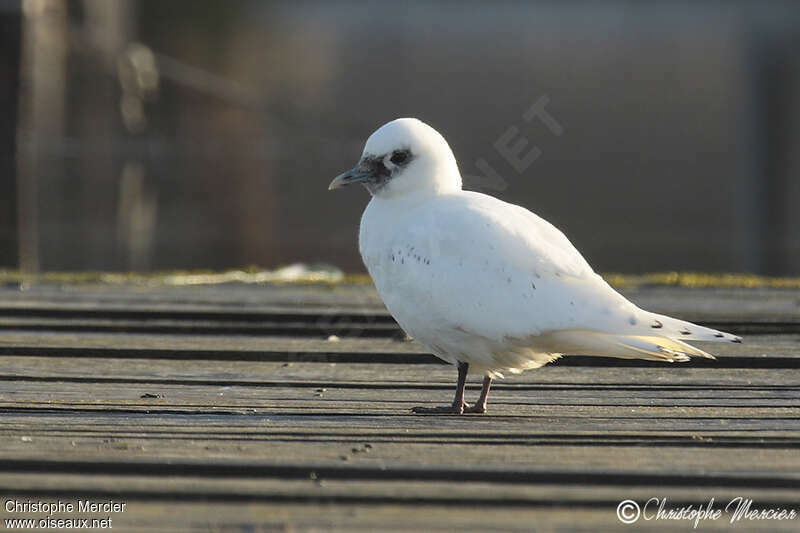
(657, 324)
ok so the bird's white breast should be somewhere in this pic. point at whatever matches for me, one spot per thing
(403, 268)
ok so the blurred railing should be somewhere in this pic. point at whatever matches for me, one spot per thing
(202, 134)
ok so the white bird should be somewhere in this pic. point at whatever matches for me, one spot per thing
(484, 284)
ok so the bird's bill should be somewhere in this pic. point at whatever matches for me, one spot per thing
(358, 174)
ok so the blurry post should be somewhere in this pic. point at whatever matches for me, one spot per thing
(94, 117)
(10, 35)
(41, 116)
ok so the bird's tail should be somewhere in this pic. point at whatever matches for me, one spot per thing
(660, 338)
(649, 347)
(662, 325)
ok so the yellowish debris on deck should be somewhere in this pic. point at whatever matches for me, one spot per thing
(327, 275)
(701, 280)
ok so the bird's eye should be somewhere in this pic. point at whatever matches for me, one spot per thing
(399, 157)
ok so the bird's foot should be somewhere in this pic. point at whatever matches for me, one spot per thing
(478, 408)
(453, 409)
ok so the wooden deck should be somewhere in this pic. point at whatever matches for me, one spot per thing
(226, 408)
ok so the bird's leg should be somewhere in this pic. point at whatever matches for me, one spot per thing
(480, 407)
(458, 402)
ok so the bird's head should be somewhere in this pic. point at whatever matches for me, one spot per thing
(402, 157)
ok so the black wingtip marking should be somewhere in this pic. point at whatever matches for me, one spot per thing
(737, 340)
(657, 324)
(685, 332)
(718, 335)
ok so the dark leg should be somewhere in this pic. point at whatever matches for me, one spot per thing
(480, 407)
(458, 402)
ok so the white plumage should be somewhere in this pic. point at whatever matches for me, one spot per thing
(480, 281)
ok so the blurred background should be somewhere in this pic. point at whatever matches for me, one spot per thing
(147, 135)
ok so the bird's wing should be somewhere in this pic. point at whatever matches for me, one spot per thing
(476, 264)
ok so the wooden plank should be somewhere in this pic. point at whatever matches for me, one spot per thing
(81, 395)
(408, 427)
(638, 454)
(722, 305)
(315, 326)
(230, 297)
(383, 376)
(375, 420)
(599, 417)
(758, 351)
(15, 340)
(321, 485)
